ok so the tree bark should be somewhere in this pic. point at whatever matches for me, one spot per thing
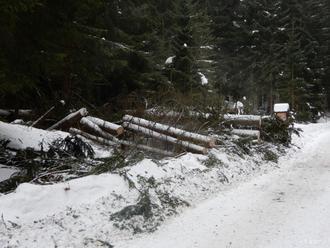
(108, 126)
(96, 129)
(119, 142)
(189, 146)
(210, 142)
(243, 120)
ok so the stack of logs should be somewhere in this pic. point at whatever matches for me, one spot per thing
(244, 125)
(111, 134)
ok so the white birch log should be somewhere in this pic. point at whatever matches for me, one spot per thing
(96, 129)
(245, 120)
(20, 112)
(210, 142)
(108, 126)
(246, 132)
(119, 142)
(163, 137)
(69, 119)
(92, 137)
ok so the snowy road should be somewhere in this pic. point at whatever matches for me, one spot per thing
(289, 207)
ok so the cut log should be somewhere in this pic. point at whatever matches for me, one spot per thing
(92, 137)
(108, 126)
(21, 112)
(210, 142)
(97, 130)
(70, 120)
(243, 120)
(119, 142)
(163, 137)
(246, 132)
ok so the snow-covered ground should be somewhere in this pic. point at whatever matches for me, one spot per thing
(222, 190)
(288, 207)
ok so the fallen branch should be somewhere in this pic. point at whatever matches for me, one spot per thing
(210, 142)
(69, 120)
(163, 137)
(46, 113)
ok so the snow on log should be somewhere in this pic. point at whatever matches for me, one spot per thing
(163, 137)
(23, 137)
(244, 120)
(246, 132)
(170, 130)
(96, 129)
(70, 119)
(108, 126)
(107, 142)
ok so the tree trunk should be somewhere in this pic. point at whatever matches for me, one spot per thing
(108, 126)
(210, 142)
(189, 146)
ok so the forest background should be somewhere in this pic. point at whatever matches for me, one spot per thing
(113, 55)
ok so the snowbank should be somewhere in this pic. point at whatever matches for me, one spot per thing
(78, 213)
(23, 137)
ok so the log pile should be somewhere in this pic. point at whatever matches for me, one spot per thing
(111, 134)
(243, 125)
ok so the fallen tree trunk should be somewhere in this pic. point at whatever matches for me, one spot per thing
(20, 112)
(210, 142)
(96, 129)
(246, 132)
(163, 137)
(70, 119)
(92, 137)
(108, 126)
(243, 120)
(119, 142)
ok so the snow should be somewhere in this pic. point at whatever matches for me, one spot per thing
(281, 107)
(236, 24)
(6, 172)
(206, 47)
(77, 214)
(242, 117)
(204, 80)
(285, 208)
(169, 60)
(22, 137)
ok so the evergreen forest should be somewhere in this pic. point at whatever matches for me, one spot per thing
(113, 55)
